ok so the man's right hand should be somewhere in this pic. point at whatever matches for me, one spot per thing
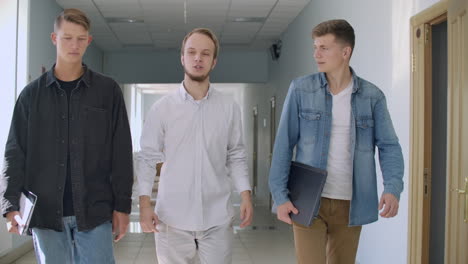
(12, 224)
(148, 218)
(284, 210)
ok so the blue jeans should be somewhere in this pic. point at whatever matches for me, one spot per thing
(73, 246)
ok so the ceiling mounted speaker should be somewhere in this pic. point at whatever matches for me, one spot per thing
(275, 50)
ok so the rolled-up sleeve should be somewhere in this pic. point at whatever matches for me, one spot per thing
(151, 153)
(236, 156)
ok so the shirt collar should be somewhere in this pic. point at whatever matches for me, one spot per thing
(184, 95)
(85, 79)
(324, 83)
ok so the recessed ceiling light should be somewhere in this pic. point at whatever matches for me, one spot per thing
(249, 19)
(124, 20)
(143, 45)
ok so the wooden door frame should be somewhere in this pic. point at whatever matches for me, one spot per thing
(420, 127)
(457, 85)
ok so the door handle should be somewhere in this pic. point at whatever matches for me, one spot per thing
(465, 192)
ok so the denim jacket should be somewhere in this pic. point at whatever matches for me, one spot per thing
(306, 124)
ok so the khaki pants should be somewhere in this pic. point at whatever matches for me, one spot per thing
(212, 246)
(329, 240)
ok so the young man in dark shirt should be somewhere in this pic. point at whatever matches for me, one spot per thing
(70, 144)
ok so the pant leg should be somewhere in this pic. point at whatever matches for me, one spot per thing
(95, 245)
(52, 247)
(174, 246)
(215, 244)
(343, 240)
(310, 242)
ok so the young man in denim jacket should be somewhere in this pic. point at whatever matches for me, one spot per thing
(335, 120)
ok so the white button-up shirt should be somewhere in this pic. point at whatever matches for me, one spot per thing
(201, 145)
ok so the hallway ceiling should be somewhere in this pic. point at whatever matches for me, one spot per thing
(162, 24)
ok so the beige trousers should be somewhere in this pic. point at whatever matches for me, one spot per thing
(175, 246)
(329, 240)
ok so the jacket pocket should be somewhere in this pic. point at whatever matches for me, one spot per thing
(96, 124)
(365, 133)
(309, 125)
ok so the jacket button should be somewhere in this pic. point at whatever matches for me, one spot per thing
(58, 212)
(63, 141)
(63, 116)
(62, 165)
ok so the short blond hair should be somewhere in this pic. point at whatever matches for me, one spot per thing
(205, 31)
(73, 15)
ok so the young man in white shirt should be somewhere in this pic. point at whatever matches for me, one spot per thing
(196, 132)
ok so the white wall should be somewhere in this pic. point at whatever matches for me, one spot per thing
(165, 67)
(8, 54)
(381, 56)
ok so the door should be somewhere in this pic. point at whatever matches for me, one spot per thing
(255, 151)
(457, 161)
(428, 175)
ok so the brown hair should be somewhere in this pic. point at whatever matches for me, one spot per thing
(340, 28)
(72, 15)
(205, 31)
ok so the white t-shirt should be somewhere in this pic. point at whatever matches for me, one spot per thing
(339, 184)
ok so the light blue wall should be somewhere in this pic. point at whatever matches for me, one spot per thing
(41, 50)
(165, 67)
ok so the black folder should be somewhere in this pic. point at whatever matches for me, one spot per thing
(305, 187)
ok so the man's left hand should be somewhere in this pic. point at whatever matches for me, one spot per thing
(246, 209)
(120, 223)
(389, 204)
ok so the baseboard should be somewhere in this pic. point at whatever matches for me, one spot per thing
(14, 254)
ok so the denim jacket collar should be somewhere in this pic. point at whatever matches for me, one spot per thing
(86, 78)
(324, 82)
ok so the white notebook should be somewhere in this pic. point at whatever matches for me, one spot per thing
(27, 204)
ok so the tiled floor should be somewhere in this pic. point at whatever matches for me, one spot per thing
(267, 241)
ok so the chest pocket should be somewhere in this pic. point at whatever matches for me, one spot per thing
(96, 124)
(365, 134)
(309, 125)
